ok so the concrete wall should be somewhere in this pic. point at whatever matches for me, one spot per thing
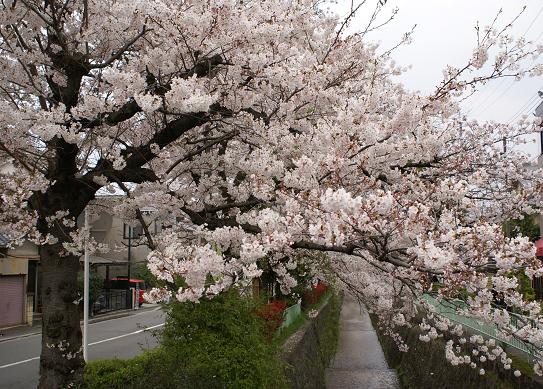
(424, 367)
(309, 350)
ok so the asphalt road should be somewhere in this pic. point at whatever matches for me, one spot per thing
(123, 337)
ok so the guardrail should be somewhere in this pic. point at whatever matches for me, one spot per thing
(449, 310)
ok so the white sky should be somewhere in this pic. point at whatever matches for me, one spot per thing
(445, 34)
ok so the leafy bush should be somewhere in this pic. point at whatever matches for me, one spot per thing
(96, 284)
(308, 356)
(144, 371)
(219, 343)
(143, 273)
(526, 226)
(525, 286)
(312, 296)
(216, 343)
(272, 313)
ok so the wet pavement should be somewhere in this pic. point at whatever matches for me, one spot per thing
(359, 362)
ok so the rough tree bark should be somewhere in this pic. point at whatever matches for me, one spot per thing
(61, 361)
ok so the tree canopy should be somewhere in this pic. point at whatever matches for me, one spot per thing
(262, 128)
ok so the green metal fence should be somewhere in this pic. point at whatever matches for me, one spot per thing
(290, 315)
(449, 310)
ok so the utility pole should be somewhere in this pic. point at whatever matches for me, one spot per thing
(127, 234)
(539, 113)
(86, 291)
(129, 250)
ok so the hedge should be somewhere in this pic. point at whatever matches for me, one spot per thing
(309, 351)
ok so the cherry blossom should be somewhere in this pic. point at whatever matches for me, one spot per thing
(260, 130)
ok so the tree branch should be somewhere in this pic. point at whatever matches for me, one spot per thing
(121, 51)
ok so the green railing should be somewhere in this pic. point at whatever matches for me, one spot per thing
(449, 310)
(290, 315)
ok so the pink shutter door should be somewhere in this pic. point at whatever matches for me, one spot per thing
(11, 300)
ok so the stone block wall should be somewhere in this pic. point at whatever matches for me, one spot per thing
(424, 366)
(309, 350)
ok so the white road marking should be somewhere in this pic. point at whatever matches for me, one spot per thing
(124, 335)
(90, 324)
(90, 344)
(18, 363)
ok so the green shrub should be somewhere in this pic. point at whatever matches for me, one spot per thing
(424, 366)
(96, 284)
(143, 273)
(144, 371)
(216, 343)
(308, 356)
(219, 343)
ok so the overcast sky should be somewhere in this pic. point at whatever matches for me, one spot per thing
(445, 34)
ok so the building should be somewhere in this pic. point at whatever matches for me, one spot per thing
(19, 277)
(127, 243)
(20, 280)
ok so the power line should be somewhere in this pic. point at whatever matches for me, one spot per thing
(494, 90)
(499, 97)
(523, 108)
(533, 21)
(512, 82)
(526, 112)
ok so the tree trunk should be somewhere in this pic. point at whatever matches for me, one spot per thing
(61, 361)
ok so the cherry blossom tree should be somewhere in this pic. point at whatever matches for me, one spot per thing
(262, 129)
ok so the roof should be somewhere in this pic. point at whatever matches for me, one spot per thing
(124, 279)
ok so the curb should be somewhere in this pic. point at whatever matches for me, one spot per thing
(106, 317)
(100, 319)
(20, 336)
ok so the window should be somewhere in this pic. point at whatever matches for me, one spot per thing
(133, 232)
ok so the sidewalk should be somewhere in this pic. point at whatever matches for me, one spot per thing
(359, 362)
(23, 331)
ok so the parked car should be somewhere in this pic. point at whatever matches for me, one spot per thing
(124, 283)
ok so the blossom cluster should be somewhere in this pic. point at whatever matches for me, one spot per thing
(259, 129)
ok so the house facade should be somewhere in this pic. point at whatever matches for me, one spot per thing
(20, 279)
(126, 242)
(19, 276)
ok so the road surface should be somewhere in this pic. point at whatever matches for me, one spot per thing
(123, 337)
